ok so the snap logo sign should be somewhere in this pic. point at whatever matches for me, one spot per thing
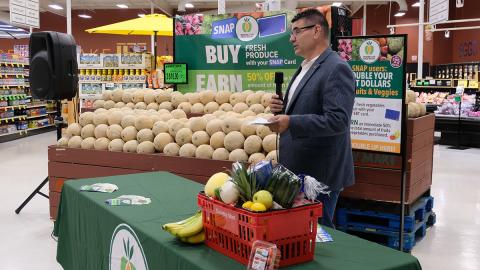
(126, 252)
(369, 51)
(246, 28)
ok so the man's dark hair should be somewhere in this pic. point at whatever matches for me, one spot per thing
(313, 16)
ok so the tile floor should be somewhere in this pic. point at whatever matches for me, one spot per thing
(453, 243)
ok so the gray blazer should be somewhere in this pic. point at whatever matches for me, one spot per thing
(317, 142)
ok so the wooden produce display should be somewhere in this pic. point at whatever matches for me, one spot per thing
(71, 163)
(378, 176)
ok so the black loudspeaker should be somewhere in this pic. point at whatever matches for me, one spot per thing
(53, 66)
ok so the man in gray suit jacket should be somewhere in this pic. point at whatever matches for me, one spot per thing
(314, 118)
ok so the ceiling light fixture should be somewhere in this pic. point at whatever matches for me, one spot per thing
(189, 5)
(399, 14)
(337, 4)
(85, 16)
(122, 6)
(141, 15)
(416, 4)
(55, 6)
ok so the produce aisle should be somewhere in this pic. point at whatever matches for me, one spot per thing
(85, 226)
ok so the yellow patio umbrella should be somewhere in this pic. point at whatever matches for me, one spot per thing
(151, 24)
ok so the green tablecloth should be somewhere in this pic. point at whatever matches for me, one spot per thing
(85, 227)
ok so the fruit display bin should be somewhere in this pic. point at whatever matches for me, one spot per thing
(232, 231)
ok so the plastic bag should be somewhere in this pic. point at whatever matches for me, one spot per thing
(284, 185)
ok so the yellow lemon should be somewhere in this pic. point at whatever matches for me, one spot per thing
(247, 204)
(258, 207)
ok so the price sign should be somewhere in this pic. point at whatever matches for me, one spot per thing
(176, 73)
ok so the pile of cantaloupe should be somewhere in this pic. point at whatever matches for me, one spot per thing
(220, 135)
(414, 109)
(247, 103)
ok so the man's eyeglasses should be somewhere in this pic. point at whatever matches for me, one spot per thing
(296, 31)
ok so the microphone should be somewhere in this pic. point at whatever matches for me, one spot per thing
(278, 83)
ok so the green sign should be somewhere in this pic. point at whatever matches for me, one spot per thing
(235, 52)
(378, 65)
(176, 73)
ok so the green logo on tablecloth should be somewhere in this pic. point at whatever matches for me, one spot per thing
(126, 252)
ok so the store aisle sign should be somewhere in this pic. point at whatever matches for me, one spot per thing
(438, 11)
(25, 12)
(378, 65)
(235, 52)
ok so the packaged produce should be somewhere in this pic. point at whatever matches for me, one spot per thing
(284, 185)
(264, 256)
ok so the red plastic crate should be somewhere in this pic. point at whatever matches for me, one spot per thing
(232, 231)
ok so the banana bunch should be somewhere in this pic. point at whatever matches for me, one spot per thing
(189, 230)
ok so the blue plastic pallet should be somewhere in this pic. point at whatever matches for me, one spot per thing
(390, 238)
(385, 221)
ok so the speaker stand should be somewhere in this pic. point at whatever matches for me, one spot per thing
(58, 125)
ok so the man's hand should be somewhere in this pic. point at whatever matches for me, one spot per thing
(279, 123)
(276, 104)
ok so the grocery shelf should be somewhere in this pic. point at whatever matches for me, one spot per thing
(18, 64)
(13, 97)
(12, 119)
(13, 133)
(26, 133)
(36, 116)
(51, 125)
(13, 107)
(37, 106)
(12, 85)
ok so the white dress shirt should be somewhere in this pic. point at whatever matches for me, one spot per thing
(306, 65)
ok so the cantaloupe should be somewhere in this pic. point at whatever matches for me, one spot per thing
(217, 140)
(128, 120)
(159, 127)
(130, 105)
(234, 140)
(163, 111)
(257, 108)
(166, 117)
(269, 143)
(197, 124)
(149, 97)
(187, 150)
(211, 107)
(146, 147)
(140, 105)
(226, 107)
(200, 137)
(246, 93)
(114, 132)
(167, 105)
(63, 142)
(119, 105)
(197, 108)
(107, 95)
(207, 96)
(222, 97)
(116, 145)
(100, 131)
(145, 135)
(178, 114)
(137, 96)
(115, 118)
(246, 129)
(143, 121)
(88, 143)
(240, 107)
(101, 143)
(178, 98)
(423, 109)
(162, 96)
(155, 117)
(253, 99)
(248, 113)
(74, 129)
(174, 125)
(266, 99)
(204, 151)
(255, 158)
(97, 104)
(208, 117)
(253, 144)
(152, 106)
(86, 118)
(214, 126)
(117, 95)
(129, 133)
(220, 154)
(75, 142)
(263, 131)
(413, 110)
(183, 136)
(238, 155)
(272, 155)
(411, 97)
(100, 110)
(130, 146)
(127, 96)
(161, 140)
(231, 124)
(171, 149)
(193, 98)
(109, 104)
(236, 98)
(185, 106)
(219, 113)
